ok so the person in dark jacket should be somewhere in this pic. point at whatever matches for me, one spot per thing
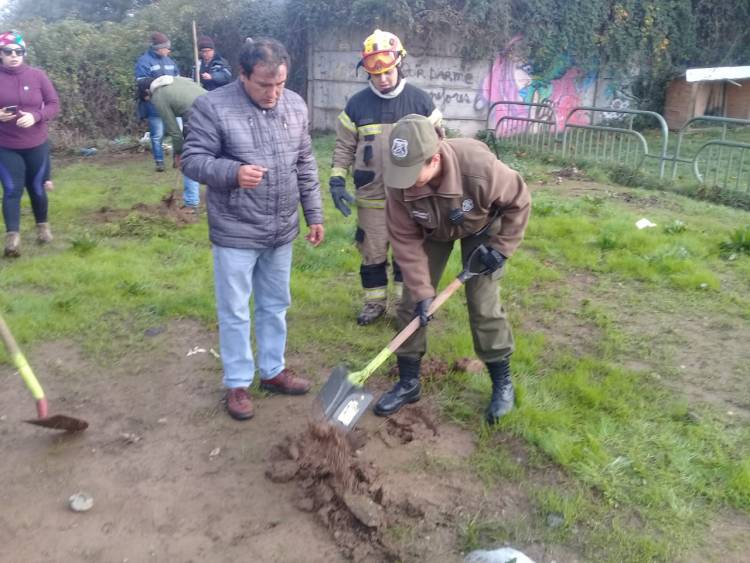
(28, 100)
(152, 64)
(249, 143)
(440, 191)
(361, 135)
(214, 69)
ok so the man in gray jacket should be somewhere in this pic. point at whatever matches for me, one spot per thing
(249, 143)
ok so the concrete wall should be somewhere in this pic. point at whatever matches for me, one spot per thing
(454, 87)
(463, 91)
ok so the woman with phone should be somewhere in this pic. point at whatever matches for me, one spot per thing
(28, 100)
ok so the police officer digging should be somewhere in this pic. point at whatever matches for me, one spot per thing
(440, 191)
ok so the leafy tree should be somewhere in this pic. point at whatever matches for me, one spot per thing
(85, 10)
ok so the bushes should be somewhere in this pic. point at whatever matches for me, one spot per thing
(92, 65)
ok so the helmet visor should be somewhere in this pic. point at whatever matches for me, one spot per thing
(380, 62)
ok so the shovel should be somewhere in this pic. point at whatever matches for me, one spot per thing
(342, 398)
(56, 422)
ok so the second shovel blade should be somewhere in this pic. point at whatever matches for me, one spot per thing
(61, 422)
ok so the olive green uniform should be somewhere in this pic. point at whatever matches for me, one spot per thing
(475, 191)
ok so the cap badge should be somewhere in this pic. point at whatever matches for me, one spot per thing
(400, 148)
(467, 205)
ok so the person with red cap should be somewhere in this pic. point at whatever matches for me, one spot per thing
(28, 100)
(152, 64)
(214, 69)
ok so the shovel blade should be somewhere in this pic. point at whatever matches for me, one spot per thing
(340, 402)
(61, 422)
(350, 409)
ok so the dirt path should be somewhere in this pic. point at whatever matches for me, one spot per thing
(174, 479)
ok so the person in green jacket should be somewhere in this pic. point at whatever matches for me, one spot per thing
(173, 96)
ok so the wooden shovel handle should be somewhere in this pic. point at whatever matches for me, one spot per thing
(412, 327)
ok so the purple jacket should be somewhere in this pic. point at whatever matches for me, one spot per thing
(31, 90)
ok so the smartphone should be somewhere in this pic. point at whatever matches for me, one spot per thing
(10, 109)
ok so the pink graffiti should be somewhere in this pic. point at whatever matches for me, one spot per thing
(509, 81)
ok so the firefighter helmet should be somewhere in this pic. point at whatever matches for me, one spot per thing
(381, 52)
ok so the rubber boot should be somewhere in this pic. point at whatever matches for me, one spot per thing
(13, 244)
(503, 394)
(43, 233)
(407, 390)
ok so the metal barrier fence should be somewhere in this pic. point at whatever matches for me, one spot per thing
(718, 162)
(600, 142)
(608, 137)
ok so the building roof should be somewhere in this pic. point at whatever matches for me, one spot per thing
(718, 73)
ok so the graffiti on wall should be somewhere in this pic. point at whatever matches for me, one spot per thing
(558, 90)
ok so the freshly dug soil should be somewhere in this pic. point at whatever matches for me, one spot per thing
(345, 495)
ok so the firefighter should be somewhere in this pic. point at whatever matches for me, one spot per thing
(362, 133)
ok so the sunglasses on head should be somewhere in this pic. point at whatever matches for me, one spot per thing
(20, 51)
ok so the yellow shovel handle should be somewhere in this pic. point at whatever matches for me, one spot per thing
(20, 361)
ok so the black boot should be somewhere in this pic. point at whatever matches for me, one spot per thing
(407, 390)
(503, 395)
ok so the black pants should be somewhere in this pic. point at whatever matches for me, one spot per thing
(21, 168)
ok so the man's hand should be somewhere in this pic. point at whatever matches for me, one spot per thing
(6, 116)
(492, 259)
(250, 175)
(340, 196)
(26, 120)
(176, 161)
(420, 311)
(315, 235)
(206, 76)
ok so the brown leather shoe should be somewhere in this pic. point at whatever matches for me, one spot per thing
(239, 405)
(287, 383)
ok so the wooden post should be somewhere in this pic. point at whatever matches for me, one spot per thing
(195, 53)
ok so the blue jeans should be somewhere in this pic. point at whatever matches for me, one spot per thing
(264, 274)
(191, 188)
(156, 130)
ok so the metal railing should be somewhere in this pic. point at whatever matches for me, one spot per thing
(607, 136)
(721, 163)
(531, 125)
(607, 144)
(718, 162)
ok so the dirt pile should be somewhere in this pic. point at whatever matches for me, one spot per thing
(170, 210)
(346, 495)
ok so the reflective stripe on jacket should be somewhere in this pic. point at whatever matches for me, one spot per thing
(362, 131)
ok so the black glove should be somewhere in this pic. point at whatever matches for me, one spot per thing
(492, 259)
(340, 196)
(420, 311)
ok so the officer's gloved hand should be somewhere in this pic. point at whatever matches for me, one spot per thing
(492, 259)
(421, 309)
(340, 196)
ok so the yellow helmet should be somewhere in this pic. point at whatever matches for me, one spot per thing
(381, 52)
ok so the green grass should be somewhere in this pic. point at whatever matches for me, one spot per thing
(640, 476)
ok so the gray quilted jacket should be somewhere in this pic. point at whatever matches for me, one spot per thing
(225, 130)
